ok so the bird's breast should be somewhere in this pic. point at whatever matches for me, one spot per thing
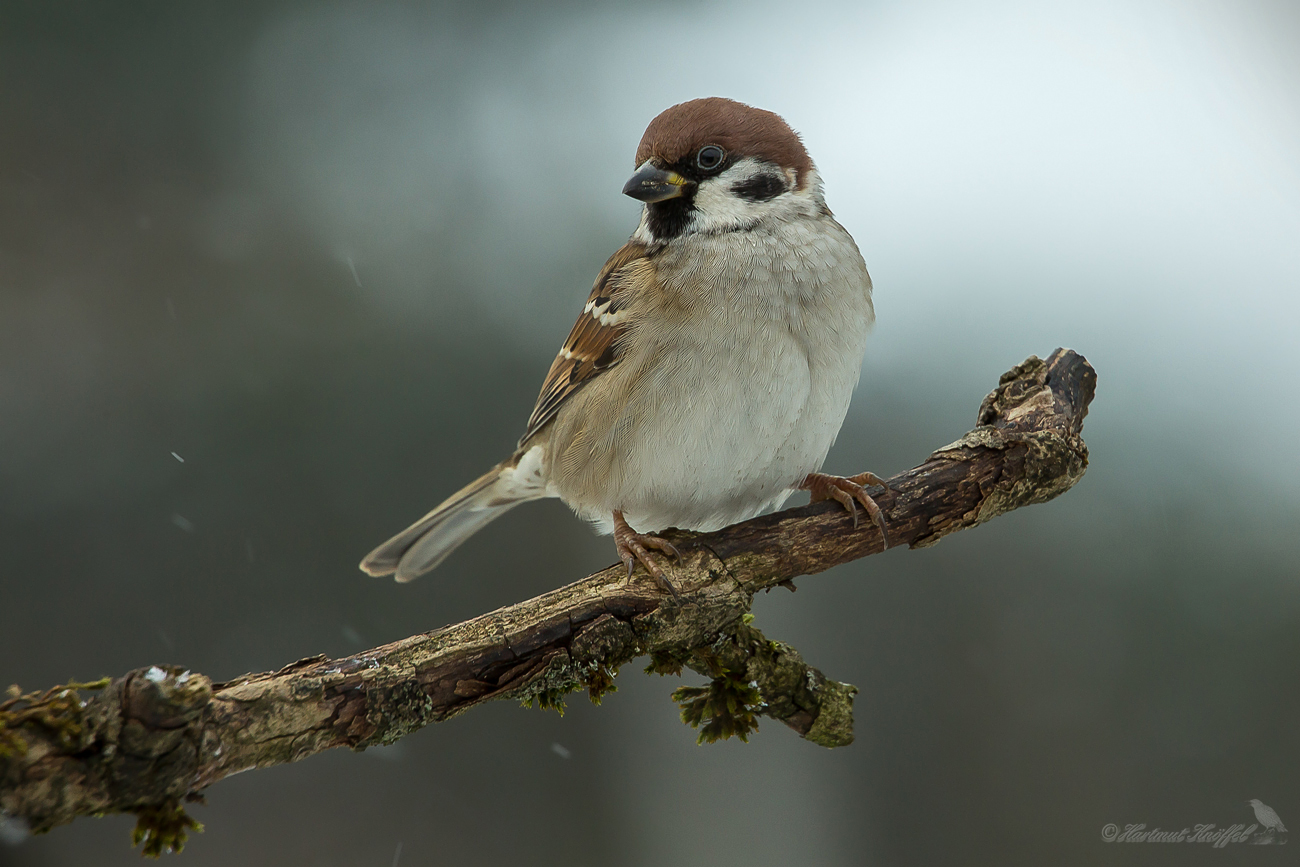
(731, 390)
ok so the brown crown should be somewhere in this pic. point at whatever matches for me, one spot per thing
(739, 129)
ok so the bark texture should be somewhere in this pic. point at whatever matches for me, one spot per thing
(144, 741)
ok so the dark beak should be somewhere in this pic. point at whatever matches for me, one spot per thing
(653, 184)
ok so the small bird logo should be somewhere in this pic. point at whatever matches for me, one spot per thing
(1267, 816)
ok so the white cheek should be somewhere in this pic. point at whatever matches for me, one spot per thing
(718, 209)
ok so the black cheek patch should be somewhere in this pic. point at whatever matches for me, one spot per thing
(760, 188)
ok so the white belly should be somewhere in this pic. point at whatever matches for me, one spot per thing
(754, 425)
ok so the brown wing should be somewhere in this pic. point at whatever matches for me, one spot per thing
(592, 344)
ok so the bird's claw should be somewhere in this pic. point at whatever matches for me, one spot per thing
(849, 492)
(632, 549)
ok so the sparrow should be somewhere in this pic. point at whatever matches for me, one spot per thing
(711, 368)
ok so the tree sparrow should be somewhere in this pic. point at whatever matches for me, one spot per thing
(712, 366)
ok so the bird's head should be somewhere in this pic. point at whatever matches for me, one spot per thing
(716, 165)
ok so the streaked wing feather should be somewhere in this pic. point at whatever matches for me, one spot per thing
(592, 346)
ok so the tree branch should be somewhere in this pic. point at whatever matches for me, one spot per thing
(148, 739)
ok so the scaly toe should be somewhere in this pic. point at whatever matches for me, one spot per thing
(876, 514)
(873, 510)
(662, 545)
(873, 479)
(643, 556)
(845, 499)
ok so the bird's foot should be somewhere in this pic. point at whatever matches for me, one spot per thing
(848, 492)
(632, 546)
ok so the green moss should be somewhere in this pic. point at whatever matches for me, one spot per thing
(11, 744)
(547, 699)
(834, 724)
(58, 711)
(402, 709)
(601, 683)
(667, 662)
(163, 829)
(725, 708)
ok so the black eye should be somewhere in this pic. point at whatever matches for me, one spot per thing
(709, 157)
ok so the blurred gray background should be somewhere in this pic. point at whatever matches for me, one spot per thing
(324, 252)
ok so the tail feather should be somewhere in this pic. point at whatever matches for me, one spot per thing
(427, 542)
